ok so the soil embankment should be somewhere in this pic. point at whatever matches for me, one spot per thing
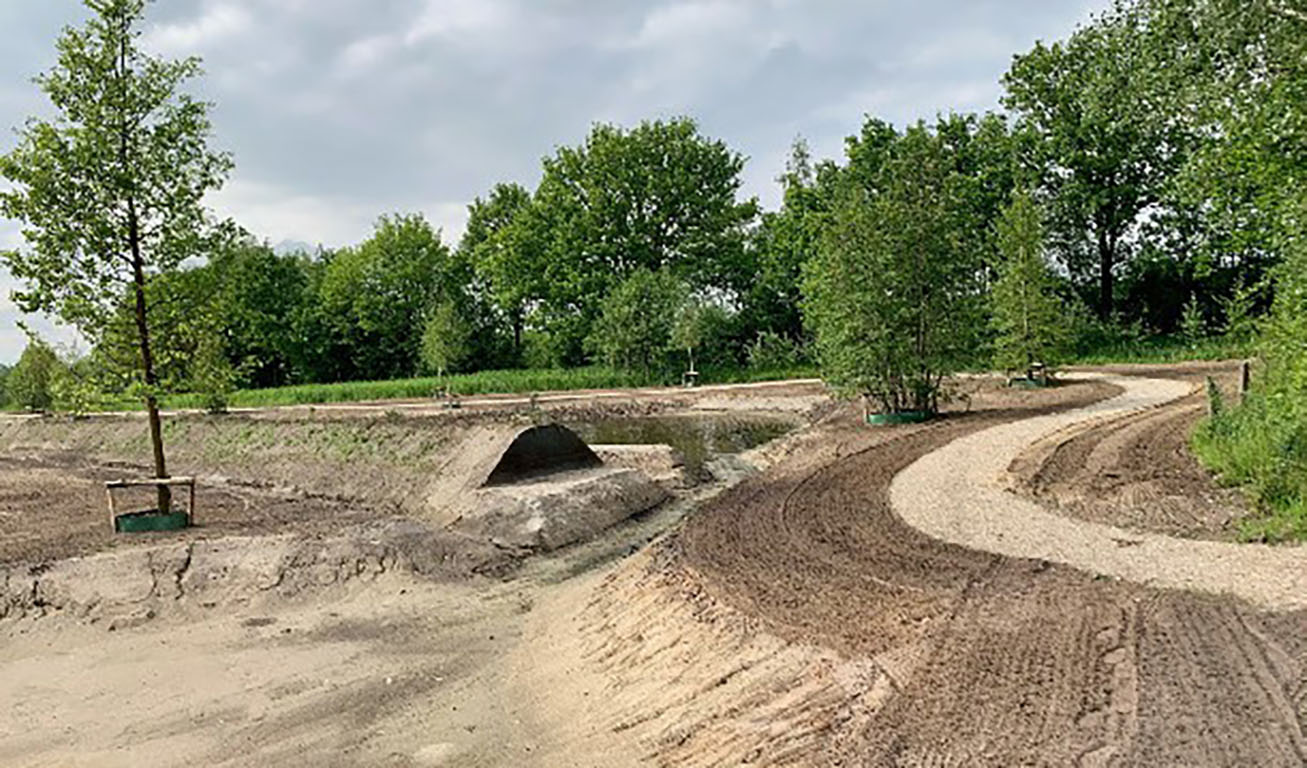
(796, 619)
(946, 655)
(1137, 471)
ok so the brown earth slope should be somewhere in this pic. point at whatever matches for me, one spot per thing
(1138, 472)
(990, 660)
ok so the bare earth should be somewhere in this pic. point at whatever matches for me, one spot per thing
(795, 619)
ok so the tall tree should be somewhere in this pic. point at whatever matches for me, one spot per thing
(658, 196)
(111, 190)
(783, 242)
(1107, 149)
(498, 243)
(1029, 318)
(378, 293)
(258, 294)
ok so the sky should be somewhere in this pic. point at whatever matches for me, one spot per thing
(337, 111)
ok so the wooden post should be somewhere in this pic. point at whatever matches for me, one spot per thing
(113, 516)
(1245, 378)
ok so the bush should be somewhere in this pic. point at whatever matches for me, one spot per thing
(29, 385)
(1264, 449)
(1262, 444)
(774, 352)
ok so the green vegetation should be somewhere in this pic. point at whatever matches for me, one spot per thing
(110, 192)
(892, 295)
(1262, 443)
(634, 330)
(1140, 202)
(29, 384)
(481, 383)
(1030, 320)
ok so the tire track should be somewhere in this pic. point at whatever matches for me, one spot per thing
(991, 659)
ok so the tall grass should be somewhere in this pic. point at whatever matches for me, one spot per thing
(481, 383)
(1262, 447)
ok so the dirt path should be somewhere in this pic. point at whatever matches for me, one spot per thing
(794, 620)
(972, 658)
(960, 493)
(1138, 471)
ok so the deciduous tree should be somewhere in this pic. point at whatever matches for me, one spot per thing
(110, 190)
(893, 299)
(1106, 147)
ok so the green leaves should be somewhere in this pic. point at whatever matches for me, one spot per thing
(29, 384)
(1031, 322)
(894, 296)
(1105, 146)
(635, 328)
(376, 295)
(123, 167)
(660, 196)
(445, 336)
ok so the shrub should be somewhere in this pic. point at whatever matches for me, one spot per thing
(29, 383)
(772, 351)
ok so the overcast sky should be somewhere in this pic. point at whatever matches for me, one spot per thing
(339, 110)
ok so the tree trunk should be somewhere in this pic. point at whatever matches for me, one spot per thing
(138, 289)
(1106, 281)
(147, 360)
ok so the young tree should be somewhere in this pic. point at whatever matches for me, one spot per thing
(444, 339)
(893, 298)
(1029, 318)
(111, 190)
(698, 327)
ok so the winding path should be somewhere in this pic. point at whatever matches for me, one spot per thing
(959, 494)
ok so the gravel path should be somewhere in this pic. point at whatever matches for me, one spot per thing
(959, 494)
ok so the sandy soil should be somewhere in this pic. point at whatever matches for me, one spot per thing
(69, 492)
(961, 494)
(989, 660)
(1137, 472)
(793, 620)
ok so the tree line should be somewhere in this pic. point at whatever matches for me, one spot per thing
(1144, 179)
(636, 250)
